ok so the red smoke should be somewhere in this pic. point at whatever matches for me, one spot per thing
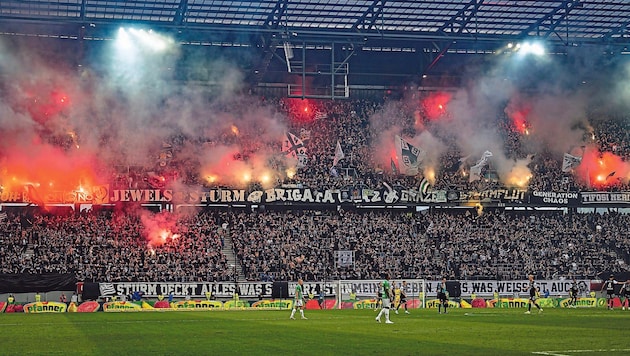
(48, 169)
(44, 104)
(600, 170)
(518, 114)
(435, 105)
(301, 110)
(159, 228)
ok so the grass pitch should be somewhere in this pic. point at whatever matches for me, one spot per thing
(326, 332)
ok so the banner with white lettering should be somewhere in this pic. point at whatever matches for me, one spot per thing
(369, 288)
(181, 290)
(278, 195)
(362, 289)
(554, 198)
(295, 195)
(511, 288)
(506, 196)
(218, 290)
(605, 198)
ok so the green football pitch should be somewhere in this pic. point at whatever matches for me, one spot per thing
(589, 331)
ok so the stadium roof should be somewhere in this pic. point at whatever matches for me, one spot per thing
(428, 28)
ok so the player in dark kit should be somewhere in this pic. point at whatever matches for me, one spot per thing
(609, 286)
(403, 297)
(625, 294)
(573, 293)
(442, 296)
(534, 292)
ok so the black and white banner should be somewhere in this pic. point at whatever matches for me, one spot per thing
(345, 258)
(359, 195)
(554, 198)
(605, 198)
(511, 288)
(362, 289)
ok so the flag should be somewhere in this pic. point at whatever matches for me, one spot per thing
(293, 146)
(339, 155)
(320, 115)
(107, 289)
(393, 165)
(464, 159)
(475, 171)
(424, 186)
(33, 195)
(345, 258)
(411, 157)
(569, 162)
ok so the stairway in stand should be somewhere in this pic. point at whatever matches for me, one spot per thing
(228, 251)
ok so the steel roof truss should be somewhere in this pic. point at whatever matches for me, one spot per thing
(458, 23)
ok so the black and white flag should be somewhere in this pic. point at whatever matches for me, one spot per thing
(293, 146)
(410, 157)
(569, 162)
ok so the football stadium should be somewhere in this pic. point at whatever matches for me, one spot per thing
(201, 177)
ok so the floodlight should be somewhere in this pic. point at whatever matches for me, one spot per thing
(535, 48)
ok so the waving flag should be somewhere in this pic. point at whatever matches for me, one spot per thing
(293, 146)
(393, 166)
(424, 186)
(569, 162)
(475, 171)
(33, 196)
(410, 157)
(339, 155)
(319, 115)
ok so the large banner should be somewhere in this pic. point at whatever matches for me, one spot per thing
(505, 196)
(361, 289)
(369, 288)
(180, 290)
(605, 198)
(366, 288)
(279, 195)
(218, 290)
(295, 194)
(511, 288)
(554, 198)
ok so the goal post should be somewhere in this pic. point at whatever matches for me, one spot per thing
(363, 293)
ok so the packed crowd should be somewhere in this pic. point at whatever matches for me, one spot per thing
(112, 247)
(365, 129)
(272, 245)
(460, 245)
(289, 245)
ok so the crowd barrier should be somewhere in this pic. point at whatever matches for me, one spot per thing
(320, 295)
(286, 304)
